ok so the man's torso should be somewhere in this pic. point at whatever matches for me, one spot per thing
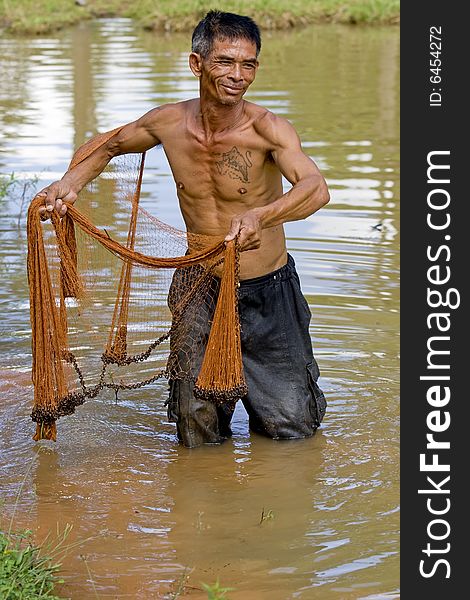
(224, 176)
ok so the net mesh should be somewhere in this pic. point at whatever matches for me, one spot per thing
(119, 299)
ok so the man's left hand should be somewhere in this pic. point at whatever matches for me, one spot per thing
(248, 225)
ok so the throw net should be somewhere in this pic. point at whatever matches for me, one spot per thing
(119, 299)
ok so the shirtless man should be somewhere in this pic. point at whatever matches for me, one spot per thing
(227, 157)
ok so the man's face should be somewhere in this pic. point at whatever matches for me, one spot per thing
(229, 70)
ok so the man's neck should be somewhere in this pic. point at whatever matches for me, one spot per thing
(217, 117)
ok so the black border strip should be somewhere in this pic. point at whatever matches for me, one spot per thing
(433, 568)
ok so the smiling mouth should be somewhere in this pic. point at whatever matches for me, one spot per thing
(232, 90)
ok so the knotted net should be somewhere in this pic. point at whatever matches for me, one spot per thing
(120, 311)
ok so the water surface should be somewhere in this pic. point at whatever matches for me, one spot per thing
(151, 515)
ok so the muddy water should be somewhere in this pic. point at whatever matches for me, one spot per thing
(313, 519)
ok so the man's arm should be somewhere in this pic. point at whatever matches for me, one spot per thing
(308, 194)
(137, 136)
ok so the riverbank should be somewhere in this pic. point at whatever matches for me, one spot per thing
(41, 16)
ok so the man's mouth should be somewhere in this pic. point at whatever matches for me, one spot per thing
(232, 89)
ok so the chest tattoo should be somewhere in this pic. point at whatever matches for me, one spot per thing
(234, 164)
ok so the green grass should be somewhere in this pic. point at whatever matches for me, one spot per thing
(30, 571)
(37, 16)
(215, 591)
(21, 191)
(27, 571)
(7, 182)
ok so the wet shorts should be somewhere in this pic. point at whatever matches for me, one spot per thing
(283, 400)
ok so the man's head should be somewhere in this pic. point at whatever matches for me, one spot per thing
(217, 25)
(224, 56)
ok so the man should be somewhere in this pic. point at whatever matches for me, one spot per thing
(227, 157)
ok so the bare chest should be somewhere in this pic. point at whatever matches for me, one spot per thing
(228, 170)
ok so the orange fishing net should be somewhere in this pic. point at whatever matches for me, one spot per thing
(120, 311)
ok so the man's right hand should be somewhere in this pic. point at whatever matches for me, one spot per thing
(55, 197)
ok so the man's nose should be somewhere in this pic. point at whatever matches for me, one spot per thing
(236, 72)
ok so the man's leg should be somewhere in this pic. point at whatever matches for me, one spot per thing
(197, 421)
(284, 400)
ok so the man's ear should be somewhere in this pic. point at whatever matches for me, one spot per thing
(195, 63)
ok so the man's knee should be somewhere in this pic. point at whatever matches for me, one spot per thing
(197, 421)
(283, 429)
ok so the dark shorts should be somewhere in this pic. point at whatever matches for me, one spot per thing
(283, 400)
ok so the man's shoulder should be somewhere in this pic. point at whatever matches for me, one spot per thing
(270, 126)
(258, 113)
(170, 112)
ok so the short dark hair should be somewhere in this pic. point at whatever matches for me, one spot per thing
(223, 25)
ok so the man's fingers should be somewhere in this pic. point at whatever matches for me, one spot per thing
(247, 228)
(69, 197)
(43, 214)
(53, 198)
(234, 230)
(50, 199)
(231, 236)
(243, 238)
(249, 239)
(56, 197)
(51, 202)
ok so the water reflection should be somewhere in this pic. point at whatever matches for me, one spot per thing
(159, 515)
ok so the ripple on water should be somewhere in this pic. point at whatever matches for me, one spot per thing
(274, 520)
